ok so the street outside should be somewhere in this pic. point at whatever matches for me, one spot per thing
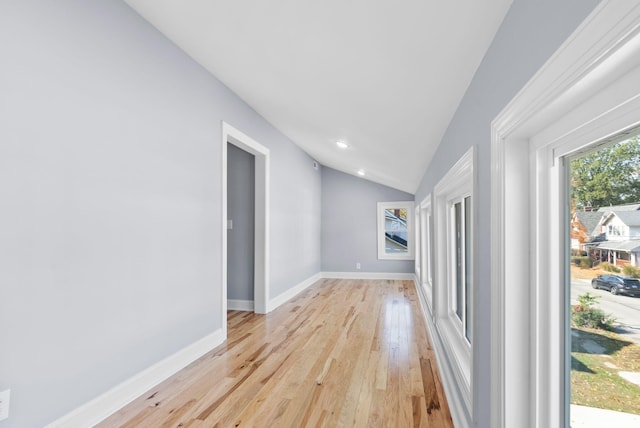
(625, 309)
(605, 227)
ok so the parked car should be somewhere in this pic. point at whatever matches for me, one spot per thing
(617, 284)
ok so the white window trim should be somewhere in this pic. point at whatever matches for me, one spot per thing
(426, 251)
(588, 91)
(459, 182)
(382, 255)
(464, 192)
(417, 245)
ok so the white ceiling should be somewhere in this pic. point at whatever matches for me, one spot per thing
(384, 76)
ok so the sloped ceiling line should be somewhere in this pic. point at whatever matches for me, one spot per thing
(386, 77)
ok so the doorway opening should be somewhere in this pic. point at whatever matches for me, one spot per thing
(240, 228)
(232, 136)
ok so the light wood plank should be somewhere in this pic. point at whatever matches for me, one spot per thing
(342, 353)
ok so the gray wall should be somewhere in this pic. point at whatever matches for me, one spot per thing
(531, 32)
(349, 224)
(110, 201)
(241, 211)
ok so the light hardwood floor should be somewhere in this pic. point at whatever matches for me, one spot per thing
(343, 353)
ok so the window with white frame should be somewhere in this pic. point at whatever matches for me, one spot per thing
(395, 230)
(417, 245)
(618, 230)
(426, 238)
(453, 255)
(461, 261)
(579, 97)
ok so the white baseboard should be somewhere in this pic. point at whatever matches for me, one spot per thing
(367, 275)
(98, 409)
(239, 305)
(290, 293)
(455, 399)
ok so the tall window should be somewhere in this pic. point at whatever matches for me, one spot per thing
(580, 96)
(461, 240)
(418, 246)
(426, 252)
(453, 258)
(602, 176)
(395, 230)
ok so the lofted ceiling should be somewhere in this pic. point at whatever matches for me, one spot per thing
(385, 77)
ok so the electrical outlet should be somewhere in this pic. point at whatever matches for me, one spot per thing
(357, 265)
(4, 404)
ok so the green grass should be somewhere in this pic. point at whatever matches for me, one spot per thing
(595, 384)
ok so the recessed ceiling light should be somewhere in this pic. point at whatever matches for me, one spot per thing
(342, 145)
(361, 172)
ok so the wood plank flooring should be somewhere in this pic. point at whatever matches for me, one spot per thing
(343, 353)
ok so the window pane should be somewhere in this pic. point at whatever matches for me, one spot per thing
(395, 230)
(426, 248)
(467, 268)
(429, 248)
(457, 208)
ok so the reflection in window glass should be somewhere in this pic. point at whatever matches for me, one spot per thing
(395, 231)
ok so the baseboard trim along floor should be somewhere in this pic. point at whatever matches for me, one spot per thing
(119, 396)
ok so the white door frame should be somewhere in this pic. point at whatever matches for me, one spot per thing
(261, 255)
(587, 92)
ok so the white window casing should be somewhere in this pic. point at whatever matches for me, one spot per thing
(417, 244)
(588, 92)
(456, 187)
(426, 251)
(395, 234)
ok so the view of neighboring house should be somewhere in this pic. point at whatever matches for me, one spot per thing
(585, 228)
(609, 234)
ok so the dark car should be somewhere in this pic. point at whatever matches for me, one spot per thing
(617, 284)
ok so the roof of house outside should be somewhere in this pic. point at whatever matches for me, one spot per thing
(629, 246)
(616, 208)
(590, 220)
(629, 218)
